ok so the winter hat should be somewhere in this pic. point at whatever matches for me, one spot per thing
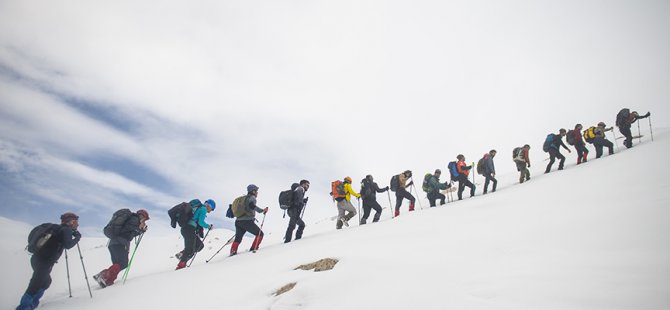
(211, 204)
(460, 157)
(601, 124)
(562, 131)
(68, 216)
(438, 171)
(143, 212)
(408, 173)
(252, 188)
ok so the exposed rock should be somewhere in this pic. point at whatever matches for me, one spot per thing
(285, 288)
(320, 265)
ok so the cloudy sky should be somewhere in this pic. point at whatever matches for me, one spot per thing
(109, 104)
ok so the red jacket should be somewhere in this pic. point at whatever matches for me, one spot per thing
(460, 166)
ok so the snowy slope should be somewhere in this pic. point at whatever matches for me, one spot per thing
(594, 236)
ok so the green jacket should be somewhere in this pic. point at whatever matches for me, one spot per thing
(435, 184)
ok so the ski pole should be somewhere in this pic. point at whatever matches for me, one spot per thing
(358, 202)
(67, 268)
(130, 263)
(650, 130)
(417, 196)
(639, 137)
(259, 233)
(390, 205)
(84, 268)
(217, 252)
(615, 141)
(303, 210)
(203, 245)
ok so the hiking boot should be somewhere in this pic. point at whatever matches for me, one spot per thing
(411, 206)
(181, 265)
(99, 278)
(397, 213)
(344, 221)
(233, 248)
(179, 255)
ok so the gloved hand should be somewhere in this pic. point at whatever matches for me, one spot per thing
(386, 188)
(410, 183)
(173, 223)
(648, 114)
(528, 165)
(265, 211)
(211, 226)
(76, 234)
(305, 200)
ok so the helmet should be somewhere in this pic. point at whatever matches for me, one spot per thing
(251, 188)
(68, 216)
(601, 124)
(347, 180)
(143, 212)
(210, 203)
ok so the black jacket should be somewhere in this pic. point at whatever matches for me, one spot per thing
(65, 239)
(130, 230)
(370, 189)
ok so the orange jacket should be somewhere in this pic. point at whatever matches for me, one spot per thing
(460, 166)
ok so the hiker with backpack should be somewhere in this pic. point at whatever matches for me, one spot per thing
(600, 139)
(369, 190)
(399, 185)
(462, 178)
(522, 161)
(432, 187)
(624, 120)
(296, 205)
(121, 229)
(245, 209)
(488, 171)
(46, 242)
(344, 204)
(574, 137)
(192, 228)
(552, 146)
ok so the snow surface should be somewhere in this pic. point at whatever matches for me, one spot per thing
(594, 236)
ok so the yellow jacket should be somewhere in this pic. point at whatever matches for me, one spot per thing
(348, 191)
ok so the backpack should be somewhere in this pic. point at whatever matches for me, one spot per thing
(622, 117)
(183, 212)
(453, 170)
(229, 212)
(40, 236)
(570, 137)
(119, 218)
(238, 206)
(590, 134)
(426, 183)
(366, 189)
(395, 182)
(286, 197)
(516, 153)
(337, 190)
(547, 142)
(480, 165)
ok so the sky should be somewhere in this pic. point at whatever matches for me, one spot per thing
(522, 247)
(106, 105)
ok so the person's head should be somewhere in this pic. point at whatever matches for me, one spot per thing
(347, 180)
(578, 127)
(369, 178)
(460, 157)
(493, 153)
(601, 125)
(561, 132)
(634, 113)
(210, 204)
(526, 147)
(304, 184)
(70, 219)
(437, 173)
(252, 189)
(408, 173)
(143, 214)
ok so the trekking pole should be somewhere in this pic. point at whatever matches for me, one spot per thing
(84, 268)
(650, 130)
(390, 205)
(615, 141)
(130, 263)
(303, 210)
(203, 245)
(217, 252)
(358, 202)
(639, 137)
(67, 268)
(259, 233)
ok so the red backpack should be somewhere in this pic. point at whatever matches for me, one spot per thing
(337, 190)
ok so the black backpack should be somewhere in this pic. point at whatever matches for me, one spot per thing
(366, 189)
(515, 152)
(42, 239)
(119, 219)
(286, 197)
(480, 165)
(182, 213)
(570, 137)
(622, 117)
(395, 182)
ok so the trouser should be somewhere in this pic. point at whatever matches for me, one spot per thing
(553, 154)
(41, 279)
(242, 227)
(294, 220)
(368, 205)
(434, 196)
(192, 243)
(582, 152)
(119, 254)
(599, 143)
(523, 169)
(401, 194)
(462, 183)
(489, 178)
(344, 206)
(625, 130)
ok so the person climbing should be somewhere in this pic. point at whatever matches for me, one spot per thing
(601, 141)
(433, 188)
(121, 232)
(402, 193)
(369, 190)
(489, 171)
(344, 205)
(295, 211)
(624, 120)
(245, 222)
(193, 230)
(522, 161)
(552, 145)
(463, 181)
(580, 146)
(63, 236)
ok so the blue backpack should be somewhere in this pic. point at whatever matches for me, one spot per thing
(453, 171)
(548, 142)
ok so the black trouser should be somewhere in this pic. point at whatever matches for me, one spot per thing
(553, 154)
(244, 226)
(489, 178)
(462, 183)
(294, 219)
(598, 143)
(368, 205)
(401, 194)
(434, 196)
(119, 254)
(521, 166)
(625, 130)
(582, 152)
(41, 279)
(192, 243)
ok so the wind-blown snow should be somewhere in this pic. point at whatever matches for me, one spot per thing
(594, 236)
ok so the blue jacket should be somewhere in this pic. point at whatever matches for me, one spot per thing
(199, 216)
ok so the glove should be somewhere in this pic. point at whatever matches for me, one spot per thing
(265, 211)
(410, 183)
(386, 188)
(528, 165)
(76, 234)
(173, 223)
(211, 226)
(648, 114)
(305, 200)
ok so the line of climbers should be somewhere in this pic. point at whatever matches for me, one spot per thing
(47, 241)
